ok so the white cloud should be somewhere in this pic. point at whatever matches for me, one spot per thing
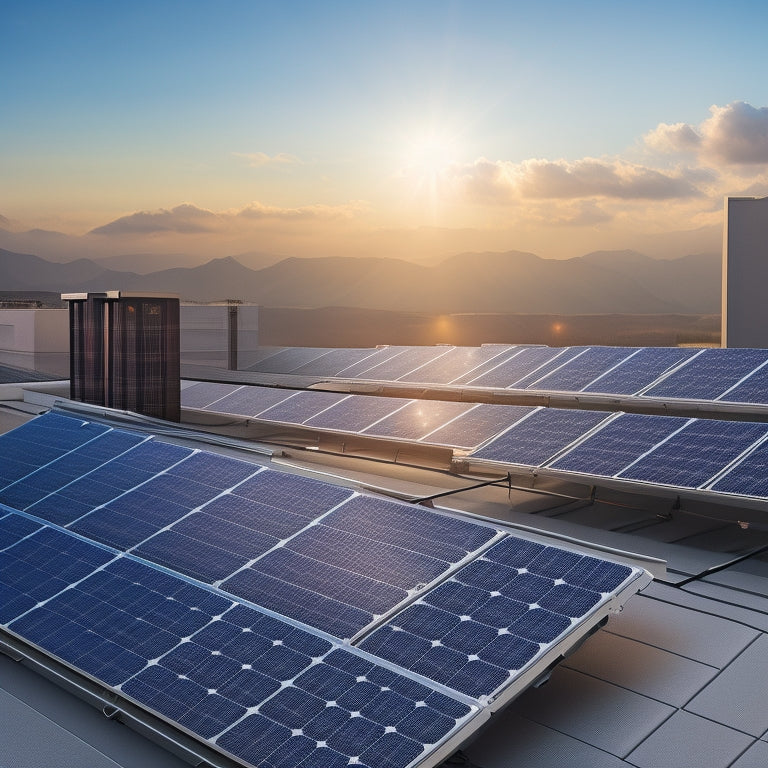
(736, 134)
(184, 219)
(502, 181)
(256, 210)
(190, 219)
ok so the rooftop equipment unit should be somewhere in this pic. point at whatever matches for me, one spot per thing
(124, 351)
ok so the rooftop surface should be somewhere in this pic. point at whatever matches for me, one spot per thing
(677, 679)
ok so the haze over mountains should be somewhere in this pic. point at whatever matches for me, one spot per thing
(625, 282)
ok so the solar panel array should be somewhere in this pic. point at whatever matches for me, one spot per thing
(278, 619)
(704, 454)
(446, 423)
(728, 375)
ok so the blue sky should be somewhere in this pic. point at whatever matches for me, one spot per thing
(309, 127)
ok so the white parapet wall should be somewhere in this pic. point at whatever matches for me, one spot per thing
(745, 272)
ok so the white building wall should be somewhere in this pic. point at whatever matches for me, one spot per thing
(745, 272)
(35, 339)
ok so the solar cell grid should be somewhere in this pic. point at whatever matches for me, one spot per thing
(477, 425)
(696, 454)
(542, 435)
(302, 406)
(511, 367)
(618, 444)
(334, 361)
(547, 365)
(749, 477)
(355, 413)
(377, 357)
(359, 562)
(254, 686)
(417, 419)
(204, 393)
(288, 360)
(249, 400)
(496, 614)
(578, 372)
(640, 370)
(710, 374)
(457, 362)
(402, 363)
(753, 389)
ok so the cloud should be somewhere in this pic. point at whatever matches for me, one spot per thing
(503, 181)
(183, 219)
(261, 159)
(256, 210)
(189, 219)
(736, 134)
(4, 222)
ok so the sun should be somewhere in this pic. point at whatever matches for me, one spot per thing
(428, 155)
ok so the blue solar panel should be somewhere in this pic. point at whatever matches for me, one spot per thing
(749, 477)
(458, 362)
(300, 407)
(357, 563)
(417, 419)
(496, 615)
(205, 393)
(13, 528)
(476, 426)
(333, 361)
(696, 454)
(580, 371)
(37, 565)
(618, 444)
(710, 374)
(355, 413)
(403, 363)
(253, 686)
(249, 401)
(519, 363)
(376, 357)
(640, 370)
(541, 436)
(753, 389)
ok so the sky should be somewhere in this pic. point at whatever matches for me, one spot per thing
(409, 129)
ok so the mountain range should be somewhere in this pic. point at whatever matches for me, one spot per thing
(624, 282)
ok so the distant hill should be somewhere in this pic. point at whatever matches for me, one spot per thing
(602, 282)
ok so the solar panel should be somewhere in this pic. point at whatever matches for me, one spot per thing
(455, 363)
(617, 444)
(377, 357)
(477, 425)
(249, 684)
(356, 412)
(496, 615)
(520, 362)
(539, 437)
(403, 363)
(417, 419)
(696, 453)
(204, 393)
(344, 572)
(752, 389)
(748, 477)
(269, 689)
(249, 401)
(640, 370)
(300, 407)
(288, 360)
(580, 371)
(562, 356)
(710, 374)
(334, 361)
